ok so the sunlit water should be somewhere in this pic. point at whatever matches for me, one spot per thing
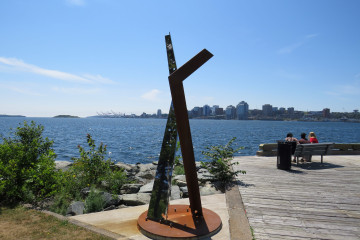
(139, 140)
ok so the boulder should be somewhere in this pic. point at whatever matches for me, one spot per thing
(110, 199)
(130, 188)
(76, 208)
(175, 192)
(148, 174)
(147, 188)
(135, 199)
(180, 180)
(184, 192)
(63, 165)
(209, 189)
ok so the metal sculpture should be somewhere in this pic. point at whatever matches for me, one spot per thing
(162, 184)
(178, 221)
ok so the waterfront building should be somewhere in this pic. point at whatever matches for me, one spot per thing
(326, 113)
(282, 110)
(230, 112)
(242, 110)
(214, 109)
(206, 110)
(290, 110)
(267, 110)
(196, 112)
(158, 114)
(219, 111)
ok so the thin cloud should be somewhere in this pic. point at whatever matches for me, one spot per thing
(292, 47)
(20, 65)
(152, 95)
(75, 91)
(76, 2)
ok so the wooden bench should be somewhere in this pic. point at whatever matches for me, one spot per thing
(309, 149)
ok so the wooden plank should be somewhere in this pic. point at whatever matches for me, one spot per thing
(308, 202)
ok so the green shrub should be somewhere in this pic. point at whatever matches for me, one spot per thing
(94, 202)
(91, 167)
(27, 166)
(115, 180)
(220, 162)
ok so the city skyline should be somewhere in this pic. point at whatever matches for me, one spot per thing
(80, 57)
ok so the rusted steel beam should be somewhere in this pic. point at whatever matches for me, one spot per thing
(183, 126)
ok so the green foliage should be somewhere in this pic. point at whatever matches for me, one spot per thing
(91, 167)
(178, 164)
(115, 180)
(27, 166)
(94, 202)
(220, 162)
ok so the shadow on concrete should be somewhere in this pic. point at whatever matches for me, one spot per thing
(316, 166)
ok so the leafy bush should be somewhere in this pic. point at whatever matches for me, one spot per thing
(91, 167)
(27, 166)
(220, 162)
(94, 202)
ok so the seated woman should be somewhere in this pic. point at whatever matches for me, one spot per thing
(312, 138)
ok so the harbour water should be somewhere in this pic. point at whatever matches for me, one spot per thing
(139, 140)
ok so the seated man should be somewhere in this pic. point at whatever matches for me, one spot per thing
(304, 140)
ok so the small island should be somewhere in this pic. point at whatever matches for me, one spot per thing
(66, 116)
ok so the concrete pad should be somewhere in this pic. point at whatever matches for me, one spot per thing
(124, 221)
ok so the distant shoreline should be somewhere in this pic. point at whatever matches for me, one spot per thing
(5, 115)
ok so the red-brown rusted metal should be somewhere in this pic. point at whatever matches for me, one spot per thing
(181, 224)
(183, 126)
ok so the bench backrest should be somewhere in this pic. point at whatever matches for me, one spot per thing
(313, 149)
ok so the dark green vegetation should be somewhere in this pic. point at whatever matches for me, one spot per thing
(28, 174)
(27, 166)
(65, 116)
(220, 165)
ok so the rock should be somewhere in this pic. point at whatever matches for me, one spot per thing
(147, 188)
(175, 192)
(184, 192)
(127, 167)
(205, 176)
(76, 208)
(148, 174)
(63, 165)
(135, 199)
(208, 189)
(180, 180)
(110, 199)
(85, 192)
(112, 207)
(130, 188)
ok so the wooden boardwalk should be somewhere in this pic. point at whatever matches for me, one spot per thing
(311, 201)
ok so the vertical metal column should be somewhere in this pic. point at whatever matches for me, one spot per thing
(162, 184)
(183, 126)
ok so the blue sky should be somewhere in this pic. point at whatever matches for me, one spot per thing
(81, 57)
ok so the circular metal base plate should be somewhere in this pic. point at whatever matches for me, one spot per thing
(181, 224)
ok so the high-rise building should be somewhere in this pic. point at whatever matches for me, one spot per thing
(290, 110)
(267, 110)
(326, 113)
(158, 114)
(242, 110)
(206, 110)
(214, 109)
(230, 112)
